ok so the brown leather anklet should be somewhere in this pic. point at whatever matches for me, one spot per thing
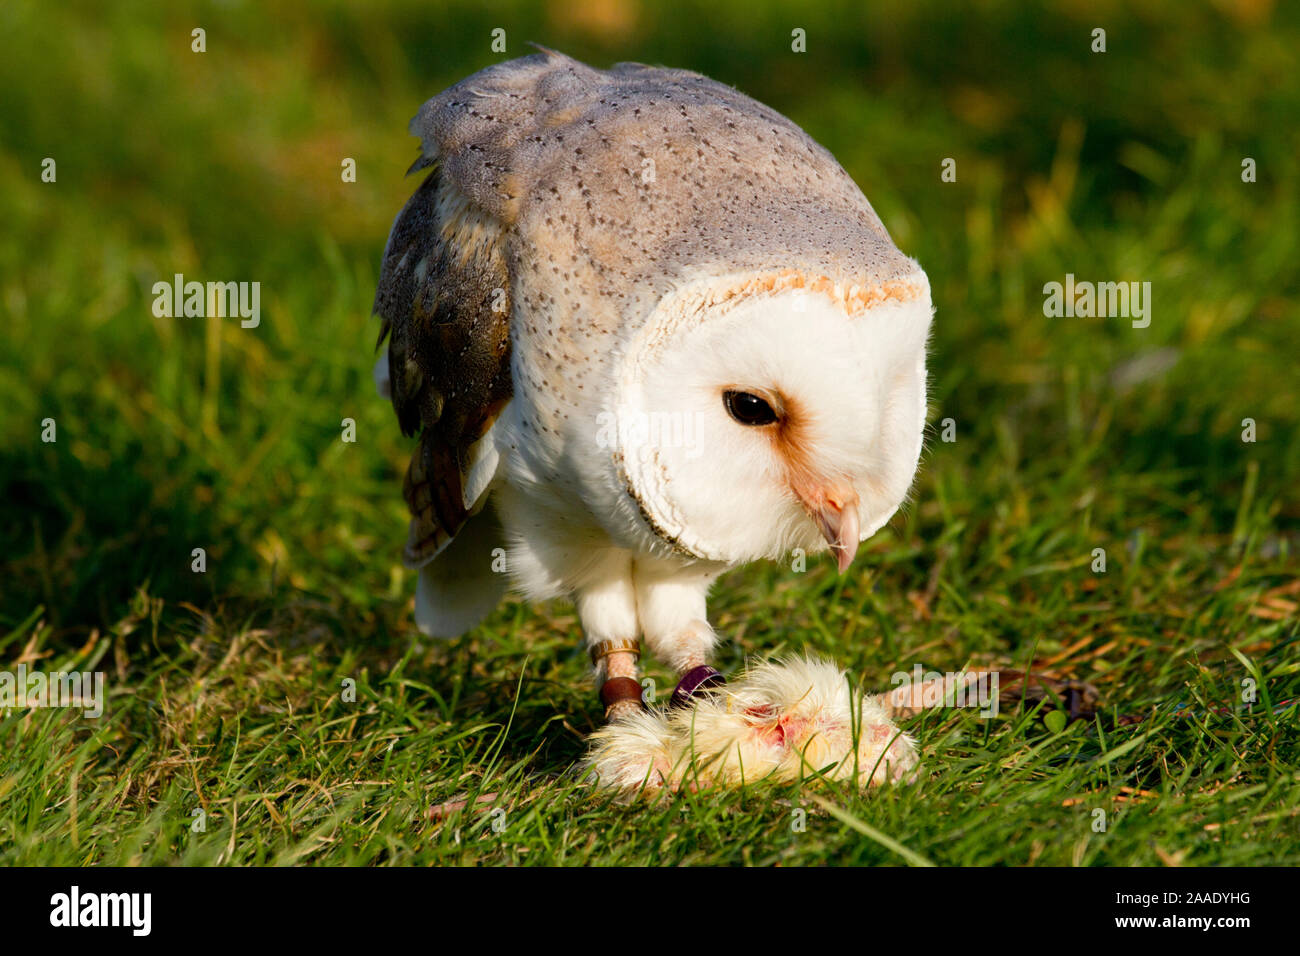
(616, 690)
(602, 649)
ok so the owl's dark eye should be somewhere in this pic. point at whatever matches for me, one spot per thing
(747, 408)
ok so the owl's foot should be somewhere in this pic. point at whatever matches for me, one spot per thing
(786, 721)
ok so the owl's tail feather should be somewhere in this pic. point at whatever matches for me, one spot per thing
(465, 582)
(786, 721)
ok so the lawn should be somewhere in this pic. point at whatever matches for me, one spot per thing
(227, 735)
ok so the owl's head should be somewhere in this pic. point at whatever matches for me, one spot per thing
(760, 423)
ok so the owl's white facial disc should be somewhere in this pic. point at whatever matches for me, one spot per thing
(779, 423)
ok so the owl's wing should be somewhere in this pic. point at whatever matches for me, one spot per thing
(444, 297)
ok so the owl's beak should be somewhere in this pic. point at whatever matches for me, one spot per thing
(833, 506)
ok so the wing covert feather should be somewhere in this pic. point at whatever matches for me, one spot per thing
(444, 299)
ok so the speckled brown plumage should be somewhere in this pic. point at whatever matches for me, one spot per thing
(443, 295)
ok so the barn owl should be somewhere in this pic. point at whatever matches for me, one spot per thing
(647, 330)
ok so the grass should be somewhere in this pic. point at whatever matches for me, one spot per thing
(224, 688)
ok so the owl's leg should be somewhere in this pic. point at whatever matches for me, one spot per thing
(671, 604)
(607, 608)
